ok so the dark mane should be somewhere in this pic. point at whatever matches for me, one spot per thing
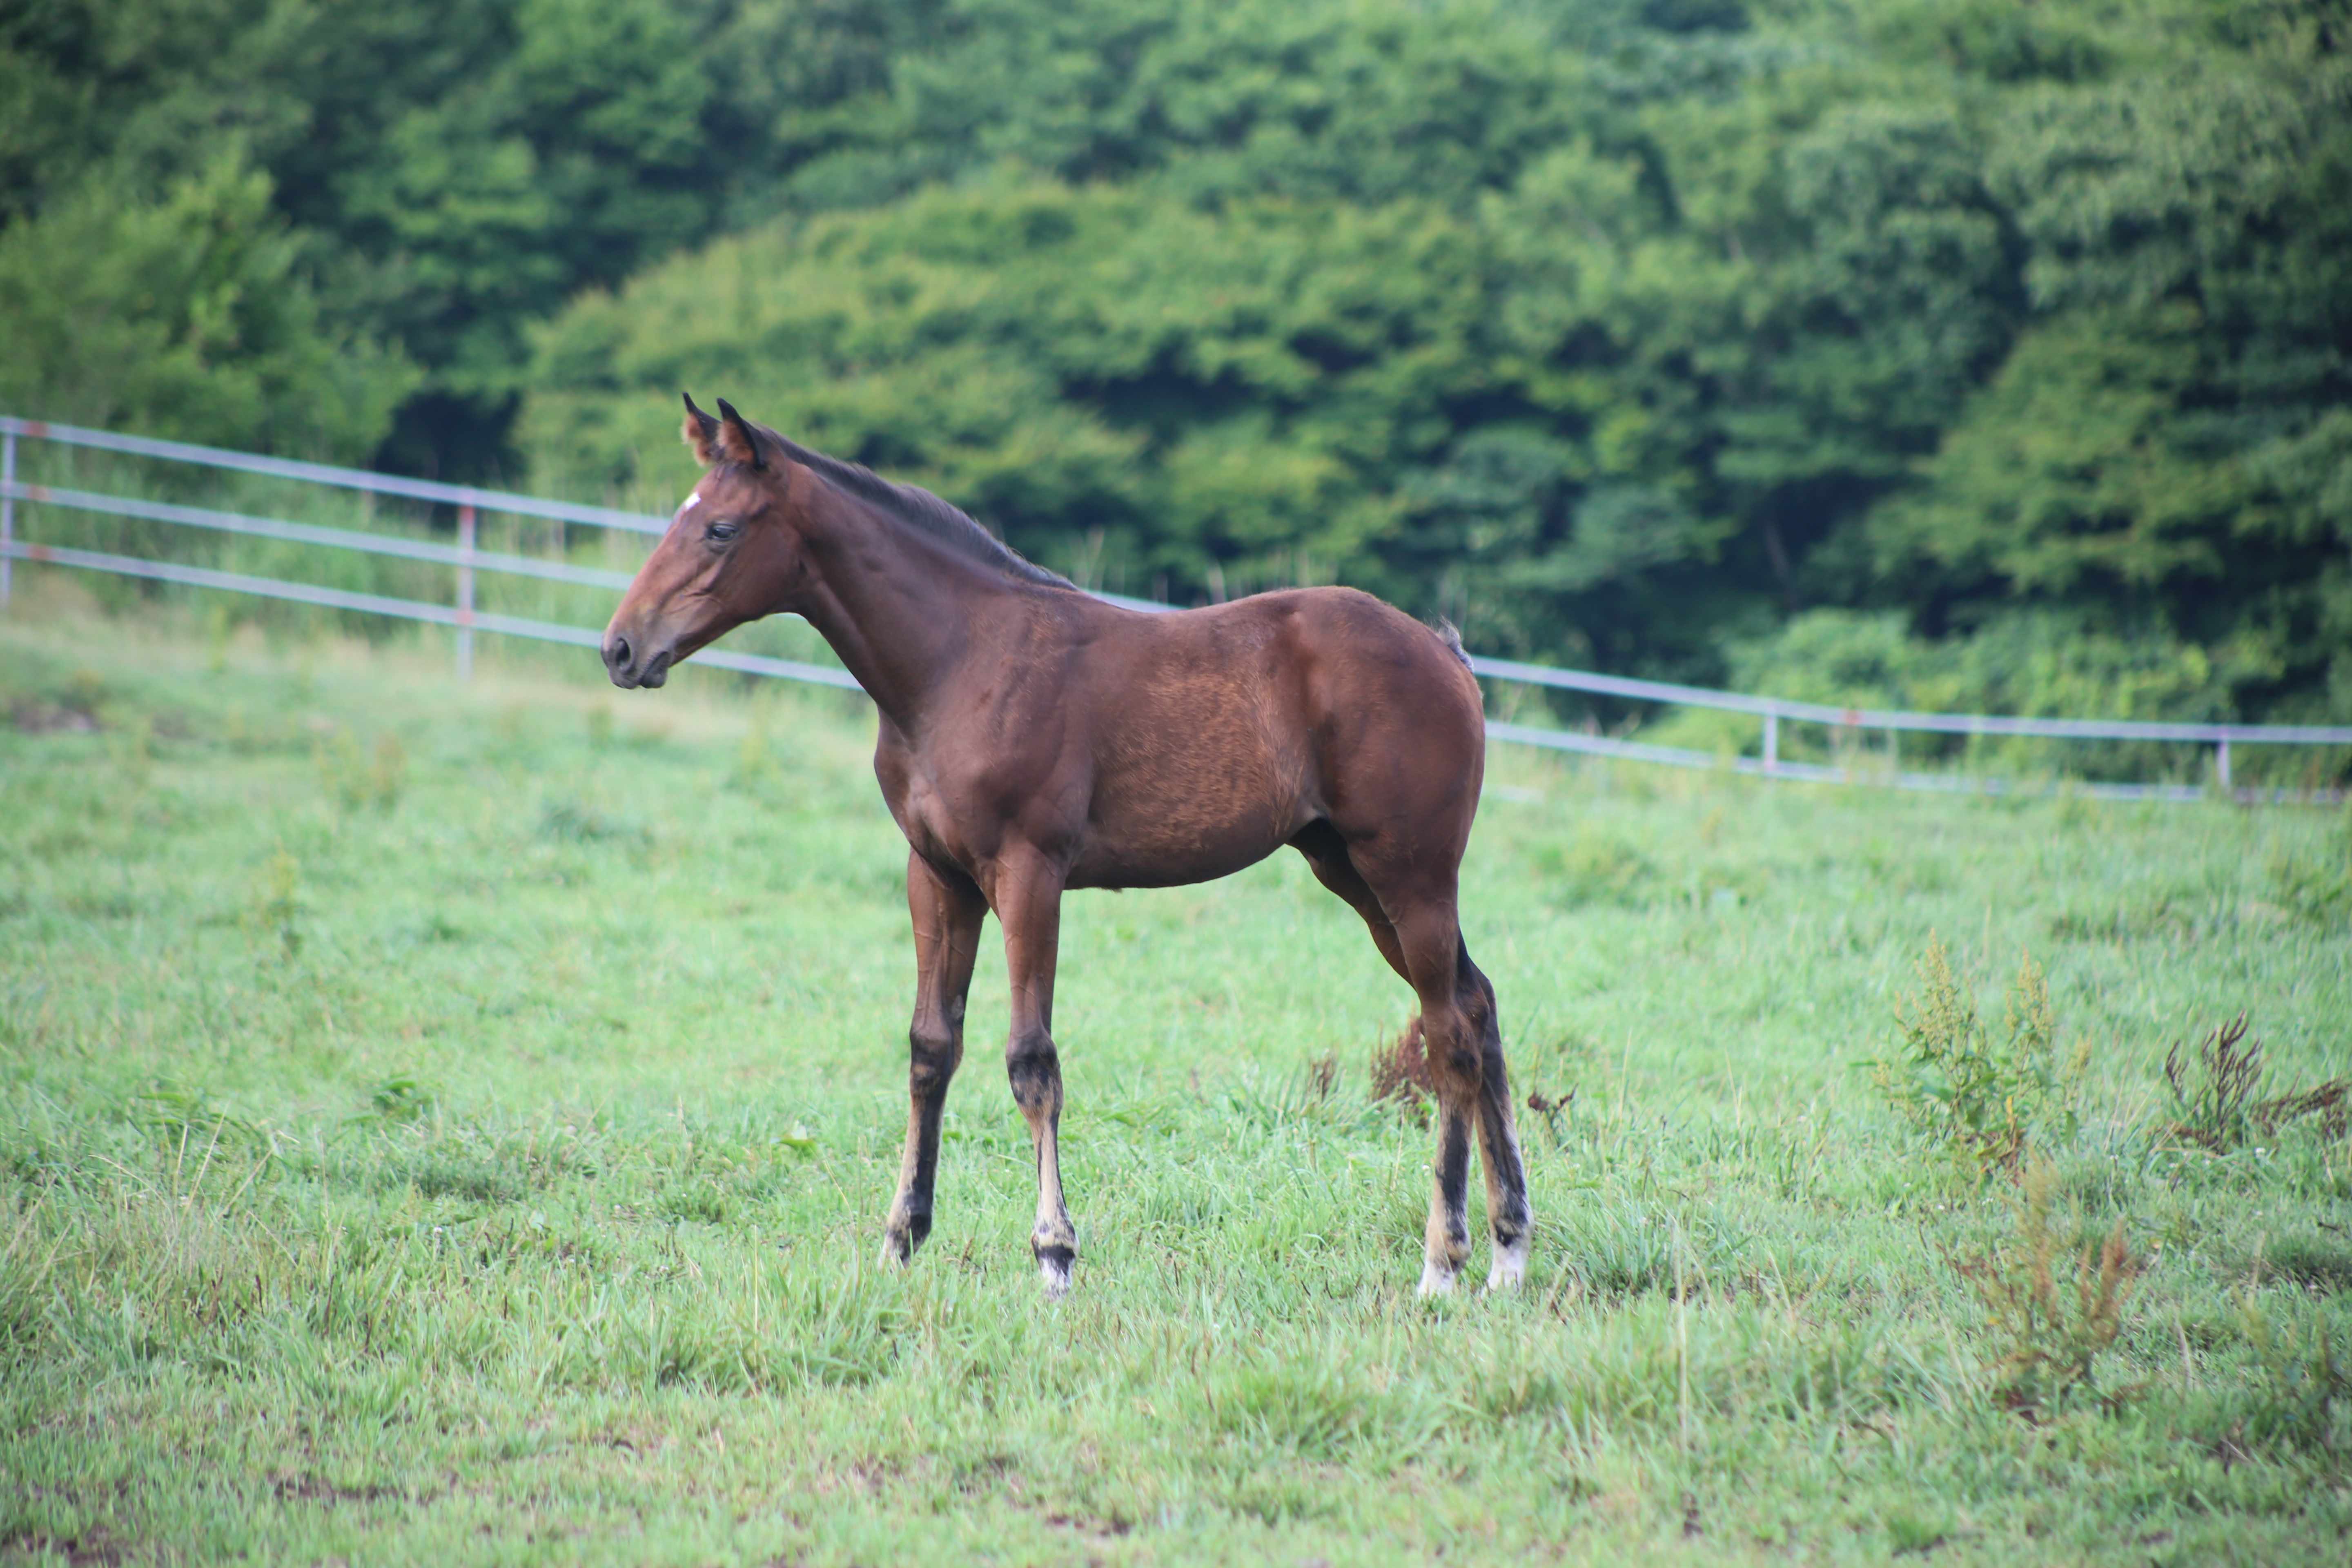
(920, 509)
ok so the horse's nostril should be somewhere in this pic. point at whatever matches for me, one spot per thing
(619, 653)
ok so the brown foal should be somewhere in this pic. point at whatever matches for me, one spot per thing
(1035, 739)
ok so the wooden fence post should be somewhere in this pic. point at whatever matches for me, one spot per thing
(7, 517)
(466, 590)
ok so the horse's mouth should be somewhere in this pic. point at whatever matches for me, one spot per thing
(656, 670)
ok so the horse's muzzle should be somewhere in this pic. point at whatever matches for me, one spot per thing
(628, 667)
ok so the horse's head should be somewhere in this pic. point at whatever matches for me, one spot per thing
(731, 554)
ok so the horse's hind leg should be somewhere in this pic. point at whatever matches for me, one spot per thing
(1498, 1133)
(947, 910)
(1452, 1038)
(1461, 1038)
(1327, 854)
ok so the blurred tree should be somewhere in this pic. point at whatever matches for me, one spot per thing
(1227, 396)
(2169, 439)
(454, 169)
(185, 316)
(1369, 103)
(1624, 330)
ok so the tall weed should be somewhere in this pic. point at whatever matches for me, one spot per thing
(1399, 1073)
(1597, 868)
(1959, 1083)
(276, 910)
(2301, 1390)
(2317, 886)
(2216, 1093)
(355, 778)
(2054, 1310)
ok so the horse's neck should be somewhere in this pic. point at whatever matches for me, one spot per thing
(893, 603)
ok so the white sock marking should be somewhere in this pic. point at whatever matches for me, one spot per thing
(1510, 1271)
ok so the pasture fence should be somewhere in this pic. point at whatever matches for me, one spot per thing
(466, 558)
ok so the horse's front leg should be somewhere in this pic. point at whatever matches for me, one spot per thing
(1029, 907)
(947, 910)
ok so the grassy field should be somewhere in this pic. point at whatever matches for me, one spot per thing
(454, 1125)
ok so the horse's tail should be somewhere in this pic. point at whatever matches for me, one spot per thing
(1452, 638)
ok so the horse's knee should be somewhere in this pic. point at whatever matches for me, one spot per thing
(933, 1054)
(1035, 1068)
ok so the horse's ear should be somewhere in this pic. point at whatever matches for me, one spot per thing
(736, 441)
(701, 433)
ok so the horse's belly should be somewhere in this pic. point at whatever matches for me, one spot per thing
(1181, 841)
(1147, 865)
(1196, 775)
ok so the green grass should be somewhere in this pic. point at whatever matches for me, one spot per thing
(454, 1125)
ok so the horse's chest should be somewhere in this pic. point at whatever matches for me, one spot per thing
(969, 817)
(931, 824)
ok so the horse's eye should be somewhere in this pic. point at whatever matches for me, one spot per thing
(721, 533)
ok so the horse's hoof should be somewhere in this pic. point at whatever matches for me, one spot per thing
(1435, 1280)
(896, 1251)
(1510, 1270)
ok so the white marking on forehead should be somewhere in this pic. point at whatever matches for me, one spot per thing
(688, 505)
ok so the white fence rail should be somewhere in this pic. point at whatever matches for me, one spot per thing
(468, 560)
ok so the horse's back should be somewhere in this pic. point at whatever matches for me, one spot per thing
(1361, 649)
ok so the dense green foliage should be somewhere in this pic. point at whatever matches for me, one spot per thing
(451, 1125)
(1691, 336)
(454, 170)
(1619, 342)
(185, 315)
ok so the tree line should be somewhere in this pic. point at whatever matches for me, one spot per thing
(1947, 352)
